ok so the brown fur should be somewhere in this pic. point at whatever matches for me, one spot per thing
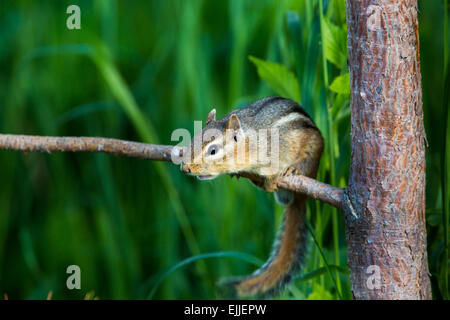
(288, 255)
(300, 146)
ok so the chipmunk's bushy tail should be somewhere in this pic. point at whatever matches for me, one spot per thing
(286, 258)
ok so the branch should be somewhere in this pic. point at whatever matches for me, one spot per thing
(314, 189)
(307, 186)
(86, 144)
(310, 187)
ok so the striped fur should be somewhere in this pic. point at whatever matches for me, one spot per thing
(300, 144)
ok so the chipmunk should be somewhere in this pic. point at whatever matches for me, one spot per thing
(215, 151)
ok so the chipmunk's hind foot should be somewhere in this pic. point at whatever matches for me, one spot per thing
(284, 197)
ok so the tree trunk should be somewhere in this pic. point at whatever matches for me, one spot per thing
(387, 253)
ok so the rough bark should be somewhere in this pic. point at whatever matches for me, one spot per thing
(387, 174)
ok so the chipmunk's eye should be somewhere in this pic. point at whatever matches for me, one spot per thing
(212, 150)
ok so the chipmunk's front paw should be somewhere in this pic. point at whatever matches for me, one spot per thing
(291, 171)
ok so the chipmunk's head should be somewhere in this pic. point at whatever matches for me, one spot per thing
(216, 149)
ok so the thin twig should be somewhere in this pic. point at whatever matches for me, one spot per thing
(85, 144)
(314, 189)
(305, 185)
(310, 187)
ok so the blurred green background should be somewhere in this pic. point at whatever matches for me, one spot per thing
(138, 70)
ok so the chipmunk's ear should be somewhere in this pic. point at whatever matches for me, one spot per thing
(211, 116)
(234, 123)
(234, 128)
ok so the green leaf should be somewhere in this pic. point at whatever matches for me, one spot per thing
(445, 180)
(279, 78)
(296, 42)
(318, 272)
(341, 84)
(222, 254)
(334, 41)
(327, 265)
(339, 10)
(319, 293)
(434, 217)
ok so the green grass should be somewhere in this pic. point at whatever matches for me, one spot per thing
(139, 70)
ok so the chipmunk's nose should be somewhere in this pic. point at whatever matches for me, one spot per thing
(185, 168)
